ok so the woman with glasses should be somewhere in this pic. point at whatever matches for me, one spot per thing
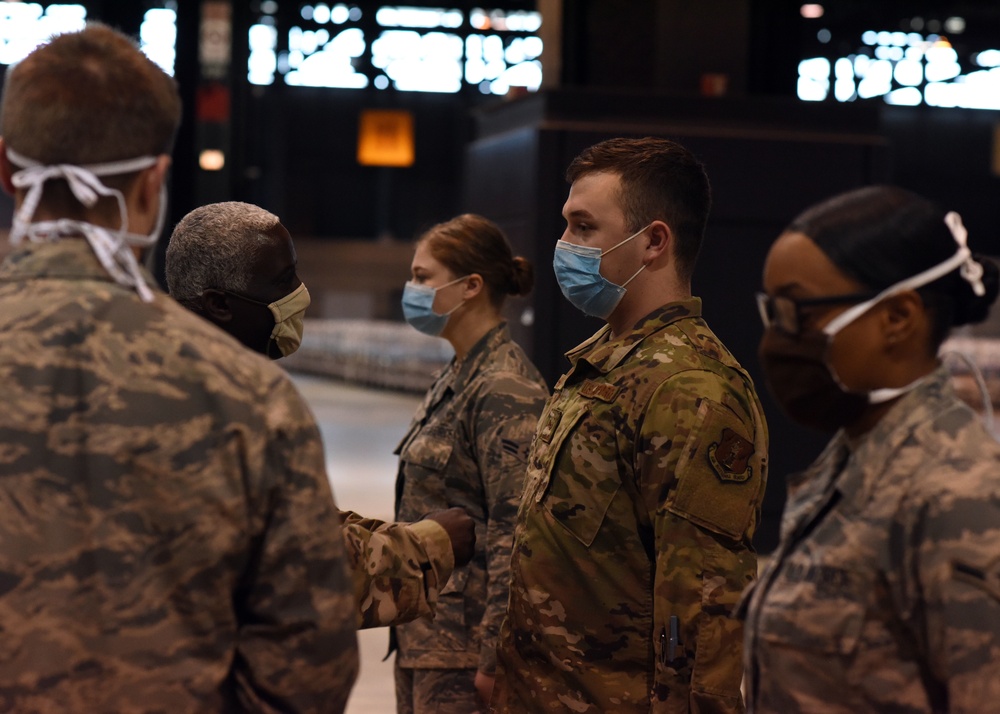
(884, 593)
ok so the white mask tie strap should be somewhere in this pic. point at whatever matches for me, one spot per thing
(971, 271)
(111, 246)
(82, 180)
(962, 260)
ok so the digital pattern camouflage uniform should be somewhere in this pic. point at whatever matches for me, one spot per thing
(398, 568)
(467, 446)
(632, 543)
(884, 594)
(168, 539)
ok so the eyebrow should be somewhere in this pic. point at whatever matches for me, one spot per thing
(788, 289)
(579, 213)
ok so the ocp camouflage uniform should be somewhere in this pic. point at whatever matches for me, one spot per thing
(884, 593)
(168, 539)
(633, 537)
(467, 446)
(398, 568)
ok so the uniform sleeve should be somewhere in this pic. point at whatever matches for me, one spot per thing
(297, 647)
(956, 591)
(398, 568)
(699, 464)
(505, 420)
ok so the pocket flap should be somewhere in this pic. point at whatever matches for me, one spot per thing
(430, 451)
(579, 496)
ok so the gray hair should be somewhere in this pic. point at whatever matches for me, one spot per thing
(214, 247)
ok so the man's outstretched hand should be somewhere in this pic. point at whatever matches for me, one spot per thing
(462, 531)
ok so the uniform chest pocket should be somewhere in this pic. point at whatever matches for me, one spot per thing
(817, 608)
(430, 451)
(581, 473)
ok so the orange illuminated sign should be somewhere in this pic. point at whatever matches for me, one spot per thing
(385, 138)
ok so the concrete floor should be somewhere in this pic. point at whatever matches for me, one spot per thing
(360, 428)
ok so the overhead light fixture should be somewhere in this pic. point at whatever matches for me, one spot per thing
(811, 11)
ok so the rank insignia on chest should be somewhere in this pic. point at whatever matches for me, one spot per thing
(730, 457)
(986, 579)
(597, 390)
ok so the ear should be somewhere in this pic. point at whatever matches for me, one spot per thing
(6, 170)
(150, 182)
(903, 318)
(213, 305)
(473, 286)
(660, 238)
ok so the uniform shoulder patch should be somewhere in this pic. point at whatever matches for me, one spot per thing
(730, 457)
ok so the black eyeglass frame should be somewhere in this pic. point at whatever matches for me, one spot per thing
(767, 312)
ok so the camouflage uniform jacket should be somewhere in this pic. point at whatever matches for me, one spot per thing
(632, 543)
(168, 539)
(398, 568)
(884, 593)
(467, 446)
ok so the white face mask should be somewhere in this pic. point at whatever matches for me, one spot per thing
(111, 246)
(968, 268)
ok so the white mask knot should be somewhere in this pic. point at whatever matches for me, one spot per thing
(970, 270)
(112, 247)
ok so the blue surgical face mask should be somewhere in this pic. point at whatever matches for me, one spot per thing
(578, 272)
(418, 307)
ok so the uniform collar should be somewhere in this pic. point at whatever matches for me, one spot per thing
(604, 353)
(69, 258)
(474, 358)
(854, 468)
(906, 419)
(454, 377)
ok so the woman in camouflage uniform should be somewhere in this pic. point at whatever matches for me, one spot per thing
(884, 593)
(467, 446)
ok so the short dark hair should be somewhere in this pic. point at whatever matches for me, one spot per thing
(89, 97)
(660, 180)
(881, 235)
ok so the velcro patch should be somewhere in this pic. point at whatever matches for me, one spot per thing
(730, 457)
(599, 390)
(549, 427)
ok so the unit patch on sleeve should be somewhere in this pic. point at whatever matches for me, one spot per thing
(730, 457)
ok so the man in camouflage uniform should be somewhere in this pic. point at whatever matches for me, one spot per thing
(168, 539)
(234, 264)
(647, 471)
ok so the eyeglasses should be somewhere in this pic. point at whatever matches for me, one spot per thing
(785, 313)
